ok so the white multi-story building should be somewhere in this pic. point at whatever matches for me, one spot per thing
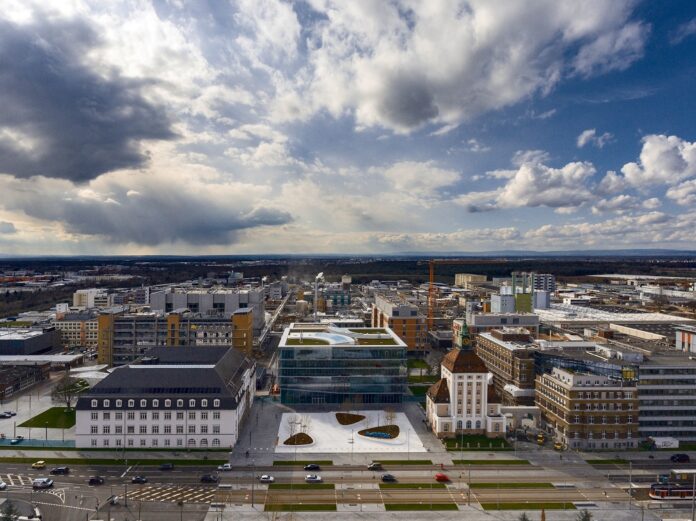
(463, 401)
(178, 397)
(92, 298)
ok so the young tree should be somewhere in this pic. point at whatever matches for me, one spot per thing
(66, 391)
(9, 512)
(523, 517)
(389, 415)
(583, 515)
(292, 425)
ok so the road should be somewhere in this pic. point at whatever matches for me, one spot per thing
(180, 490)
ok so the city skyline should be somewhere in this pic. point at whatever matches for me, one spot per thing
(330, 127)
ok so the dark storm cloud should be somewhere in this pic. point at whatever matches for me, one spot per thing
(407, 102)
(60, 119)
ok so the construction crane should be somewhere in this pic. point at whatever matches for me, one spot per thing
(432, 290)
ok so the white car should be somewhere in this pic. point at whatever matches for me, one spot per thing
(266, 479)
(313, 478)
(3, 485)
(225, 467)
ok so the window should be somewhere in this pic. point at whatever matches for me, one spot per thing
(216, 442)
(204, 429)
(180, 403)
(131, 403)
(216, 403)
(179, 429)
(468, 424)
(119, 416)
(106, 443)
(155, 429)
(95, 416)
(167, 429)
(167, 416)
(179, 442)
(131, 429)
(192, 429)
(131, 415)
(446, 427)
(106, 429)
(143, 403)
(94, 403)
(119, 429)
(118, 442)
(94, 429)
(155, 403)
(143, 416)
(204, 415)
(216, 429)
(180, 416)
(167, 442)
(130, 443)
(107, 403)
(143, 429)
(192, 403)
(119, 403)
(478, 424)
(94, 442)
(142, 443)
(216, 415)
(204, 403)
(154, 443)
(167, 403)
(155, 416)
(192, 415)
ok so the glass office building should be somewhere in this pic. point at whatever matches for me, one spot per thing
(323, 364)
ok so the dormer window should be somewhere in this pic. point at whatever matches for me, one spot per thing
(155, 403)
(107, 403)
(180, 403)
(119, 403)
(143, 403)
(131, 403)
(216, 403)
(167, 403)
(192, 403)
(94, 403)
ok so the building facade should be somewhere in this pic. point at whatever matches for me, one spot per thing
(586, 411)
(686, 338)
(78, 329)
(463, 401)
(404, 319)
(324, 364)
(481, 322)
(465, 280)
(176, 397)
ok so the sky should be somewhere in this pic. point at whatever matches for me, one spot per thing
(326, 126)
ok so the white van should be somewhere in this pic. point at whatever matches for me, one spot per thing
(42, 483)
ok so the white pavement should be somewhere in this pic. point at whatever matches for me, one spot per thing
(331, 436)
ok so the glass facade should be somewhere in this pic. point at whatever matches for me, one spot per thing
(334, 374)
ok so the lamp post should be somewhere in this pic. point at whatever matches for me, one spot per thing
(45, 433)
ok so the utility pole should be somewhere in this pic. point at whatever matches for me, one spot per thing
(468, 486)
(253, 479)
(630, 483)
(693, 496)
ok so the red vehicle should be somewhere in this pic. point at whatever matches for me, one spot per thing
(441, 477)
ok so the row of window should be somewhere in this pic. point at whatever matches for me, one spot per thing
(215, 442)
(156, 403)
(154, 429)
(155, 415)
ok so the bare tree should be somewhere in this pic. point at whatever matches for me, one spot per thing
(389, 416)
(305, 423)
(66, 390)
(292, 425)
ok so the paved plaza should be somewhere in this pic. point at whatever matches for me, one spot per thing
(330, 436)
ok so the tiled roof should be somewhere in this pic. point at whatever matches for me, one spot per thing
(439, 392)
(463, 361)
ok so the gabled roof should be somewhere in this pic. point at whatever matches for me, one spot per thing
(439, 392)
(463, 361)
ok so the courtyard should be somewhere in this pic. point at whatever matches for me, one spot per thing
(328, 435)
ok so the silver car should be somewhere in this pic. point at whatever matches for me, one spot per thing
(266, 479)
(313, 478)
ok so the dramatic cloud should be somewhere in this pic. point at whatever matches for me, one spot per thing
(6, 227)
(684, 193)
(403, 66)
(663, 160)
(61, 119)
(590, 136)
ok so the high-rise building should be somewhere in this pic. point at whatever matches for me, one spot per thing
(465, 280)
(403, 318)
(528, 282)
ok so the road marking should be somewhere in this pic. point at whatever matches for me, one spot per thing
(126, 471)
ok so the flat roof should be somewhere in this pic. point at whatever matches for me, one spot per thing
(17, 333)
(318, 334)
(5, 359)
(569, 313)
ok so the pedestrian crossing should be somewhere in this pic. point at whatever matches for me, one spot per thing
(16, 480)
(185, 494)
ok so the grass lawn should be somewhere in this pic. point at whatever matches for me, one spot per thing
(475, 442)
(301, 486)
(396, 507)
(417, 364)
(412, 485)
(405, 462)
(528, 506)
(294, 507)
(491, 462)
(111, 461)
(425, 379)
(511, 485)
(302, 462)
(306, 341)
(612, 461)
(53, 418)
(418, 390)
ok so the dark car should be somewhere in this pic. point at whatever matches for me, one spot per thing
(209, 478)
(312, 466)
(140, 480)
(96, 480)
(374, 466)
(5, 415)
(60, 471)
(167, 466)
(388, 478)
(11, 413)
(680, 458)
